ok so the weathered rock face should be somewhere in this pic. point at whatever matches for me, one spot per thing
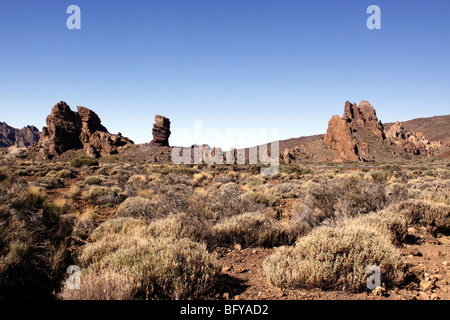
(359, 135)
(363, 116)
(339, 137)
(341, 131)
(411, 142)
(24, 137)
(69, 130)
(161, 131)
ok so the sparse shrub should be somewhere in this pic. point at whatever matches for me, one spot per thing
(73, 192)
(105, 285)
(333, 200)
(137, 207)
(251, 229)
(50, 213)
(83, 161)
(146, 193)
(436, 217)
(387, 224)
(120, 226)
(162, 268)
(334, 258)
(263, 198)
(378, 175)
(299, 171)
(138, 179)
(34, 198)
(439, 197)
(200, 179)
(65, 173)
(29, 265)
(220, 203)
(182, 225)
(18, 248)
(397, 192)
(93, 180)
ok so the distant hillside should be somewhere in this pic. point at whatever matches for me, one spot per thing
(24, 137)
(434, 128)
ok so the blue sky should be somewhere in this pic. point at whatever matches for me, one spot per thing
(259, 64)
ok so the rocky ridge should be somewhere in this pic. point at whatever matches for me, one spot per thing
(25, 137)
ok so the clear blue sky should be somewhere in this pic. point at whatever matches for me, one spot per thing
(262, 64)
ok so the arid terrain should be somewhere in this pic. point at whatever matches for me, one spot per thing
(139, 227)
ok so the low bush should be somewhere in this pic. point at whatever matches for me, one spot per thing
(182, 225)
(138, 207)
(157, 268)
(93, 180)
(251, 229)
(331, 201)
(105, 285)
(334, 258)
(83, 161)
(435, 217)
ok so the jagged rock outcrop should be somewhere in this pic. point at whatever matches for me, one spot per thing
(359, 135)
(69, 130)
(411, 142)
(342, 131)
(25, 137)
(161, 131)
(339, 137)
(363, 116)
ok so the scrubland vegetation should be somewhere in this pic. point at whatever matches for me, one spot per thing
(152, 231)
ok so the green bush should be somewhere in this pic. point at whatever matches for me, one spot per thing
(84, 161)
(93, 180)
(50, 213)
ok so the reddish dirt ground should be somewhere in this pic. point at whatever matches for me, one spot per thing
(427, 256)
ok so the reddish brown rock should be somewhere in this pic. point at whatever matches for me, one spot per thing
(397, 131)
(370, 119)
(161, 131)
(24, 137)
(69, 130)
(353, 135)
(411, 142)
(339, 137)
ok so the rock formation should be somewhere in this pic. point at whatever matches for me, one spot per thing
(69, 130)
(342, 131)
(161, 131)
(339, 137)
(411, 142)
(363, 116)
(359, 135)
(24, 137)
